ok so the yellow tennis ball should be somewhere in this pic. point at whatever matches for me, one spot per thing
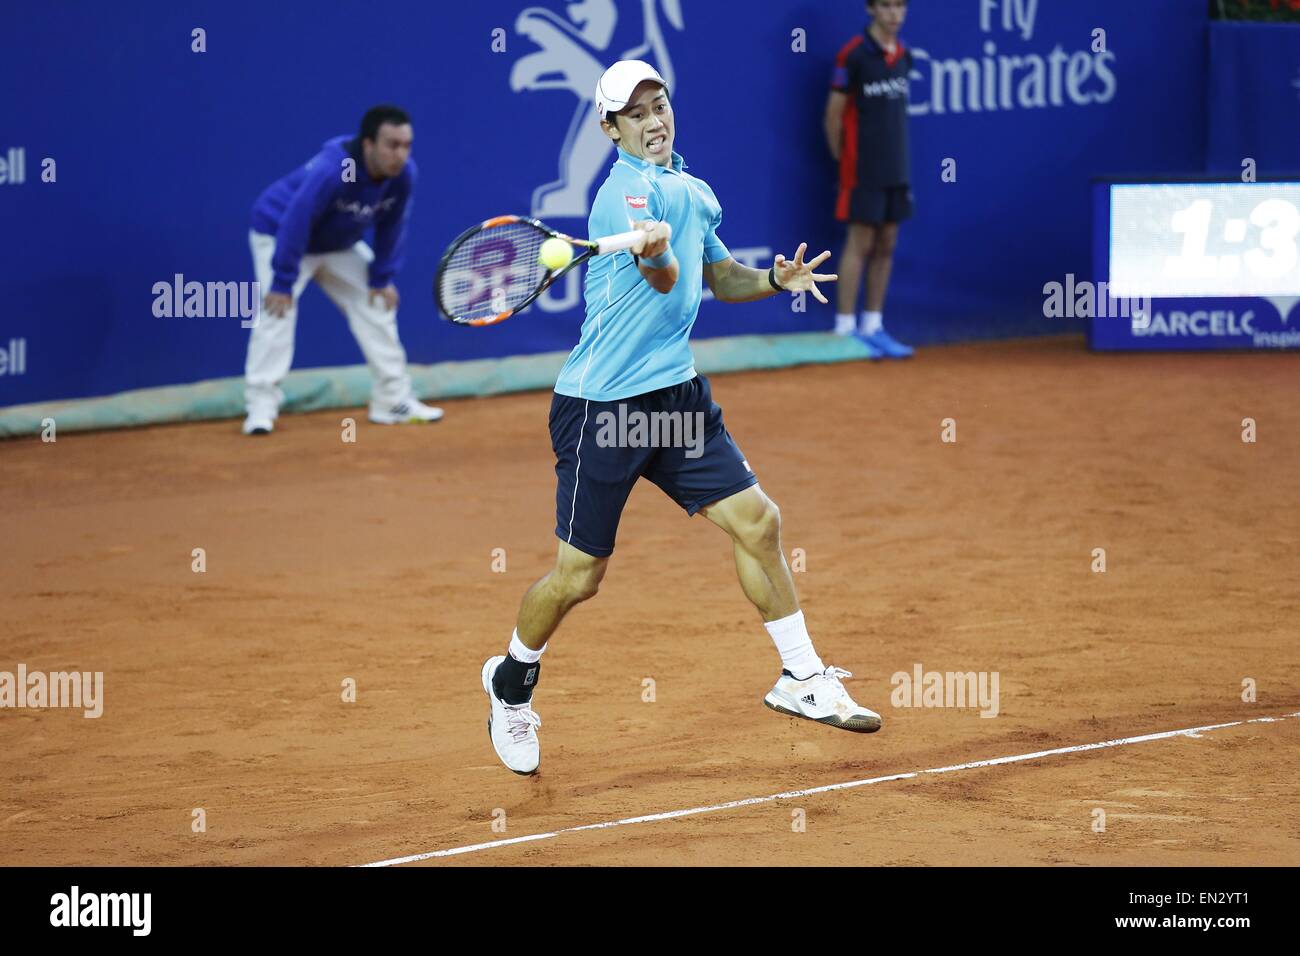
(555, 254)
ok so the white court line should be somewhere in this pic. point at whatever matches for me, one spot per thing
(673, 814)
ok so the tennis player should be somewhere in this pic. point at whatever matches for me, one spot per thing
(308, 226)
(633, 357)
(866, 129)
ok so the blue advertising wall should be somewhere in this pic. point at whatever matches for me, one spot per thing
(159, 152)
(1254, 105)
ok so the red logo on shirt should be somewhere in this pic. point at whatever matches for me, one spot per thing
(636, 202)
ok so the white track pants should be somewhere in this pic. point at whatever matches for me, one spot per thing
(344, 278)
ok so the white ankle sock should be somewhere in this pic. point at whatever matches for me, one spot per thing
(523, 654)
(844, 323)
(872, 322)
(790, 635)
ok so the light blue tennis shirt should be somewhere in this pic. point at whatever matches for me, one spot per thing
(634, 339)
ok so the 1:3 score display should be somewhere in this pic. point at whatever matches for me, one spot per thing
(1274, 254)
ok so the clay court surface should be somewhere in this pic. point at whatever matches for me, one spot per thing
(373, 561)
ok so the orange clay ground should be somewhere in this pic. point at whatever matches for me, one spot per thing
(374, 561)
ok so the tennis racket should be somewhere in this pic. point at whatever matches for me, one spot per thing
(491, 271)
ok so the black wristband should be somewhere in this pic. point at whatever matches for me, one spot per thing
(771, 278)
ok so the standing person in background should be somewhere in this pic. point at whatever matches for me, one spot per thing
(866, 128)
(309, 225)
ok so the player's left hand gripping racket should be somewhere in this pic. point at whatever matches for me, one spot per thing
(492, 270)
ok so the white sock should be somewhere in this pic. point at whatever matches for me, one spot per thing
(872, 322)
(790, 635)
(523, 654)
(844, 323)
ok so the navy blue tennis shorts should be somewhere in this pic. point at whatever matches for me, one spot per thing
(874, 206)
(673, 437)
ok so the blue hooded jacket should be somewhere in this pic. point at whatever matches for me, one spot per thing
(314, 210)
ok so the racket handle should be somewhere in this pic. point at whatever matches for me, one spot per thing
(621, 241)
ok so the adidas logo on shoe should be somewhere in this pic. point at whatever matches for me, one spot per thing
(405, 411)
(825, 701)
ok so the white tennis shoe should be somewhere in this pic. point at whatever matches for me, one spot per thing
(512, 727)
(822, 698)
(409, 409)
(259, 423)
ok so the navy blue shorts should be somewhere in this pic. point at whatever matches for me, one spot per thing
(876, 205)
(673, 437)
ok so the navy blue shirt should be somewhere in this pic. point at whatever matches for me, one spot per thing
(874, 154)
(314, 210)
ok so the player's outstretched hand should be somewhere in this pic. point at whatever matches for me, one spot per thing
(795, 275)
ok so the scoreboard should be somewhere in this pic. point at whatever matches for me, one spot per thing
(1215, 265)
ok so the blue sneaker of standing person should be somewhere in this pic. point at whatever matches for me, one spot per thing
(885, 344)
(873, 351)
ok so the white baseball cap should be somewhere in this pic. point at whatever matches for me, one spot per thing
(616, 85)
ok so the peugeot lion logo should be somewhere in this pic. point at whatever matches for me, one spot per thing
(572, 55)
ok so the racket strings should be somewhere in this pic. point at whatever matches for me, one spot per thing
(492, 271)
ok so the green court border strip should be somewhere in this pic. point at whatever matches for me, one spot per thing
(311, 390)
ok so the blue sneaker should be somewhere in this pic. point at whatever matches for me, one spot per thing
(874, 351)
(886, 344)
